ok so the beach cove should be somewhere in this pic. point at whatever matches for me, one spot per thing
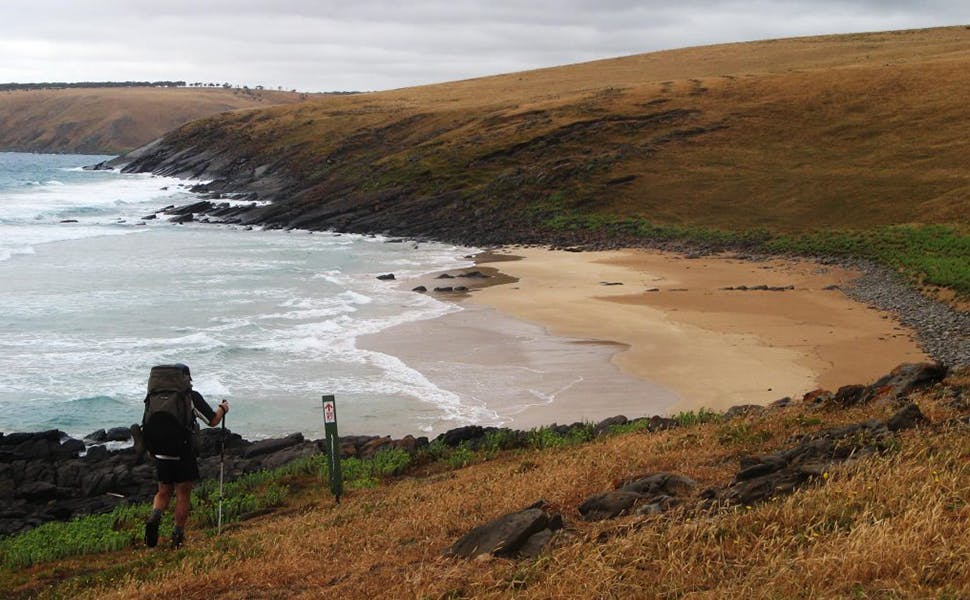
(667, 333)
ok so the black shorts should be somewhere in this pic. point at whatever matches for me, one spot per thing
(177, 471)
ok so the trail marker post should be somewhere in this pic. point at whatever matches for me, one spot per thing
(333, 446)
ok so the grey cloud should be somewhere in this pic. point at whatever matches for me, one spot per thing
(381, 44)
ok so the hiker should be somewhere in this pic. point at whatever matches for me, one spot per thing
(171, 437)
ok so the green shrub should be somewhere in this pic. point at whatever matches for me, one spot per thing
(392, 461)
(437, 450)
(357, 473)
(547, 437)
(933, 254)
(500, 439)
(630, 427)
(51, 541)
(462, 456)
(704, 415)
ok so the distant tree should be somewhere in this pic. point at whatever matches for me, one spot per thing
(54, 85)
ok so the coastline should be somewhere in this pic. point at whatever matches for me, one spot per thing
(663, 319)
(524, 375)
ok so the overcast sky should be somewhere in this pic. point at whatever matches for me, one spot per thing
(320, 45)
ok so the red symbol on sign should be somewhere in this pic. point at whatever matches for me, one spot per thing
(328, 413)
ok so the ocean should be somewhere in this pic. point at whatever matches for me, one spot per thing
(94, 294)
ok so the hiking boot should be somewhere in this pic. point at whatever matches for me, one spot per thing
(178, 536)
(151, 533)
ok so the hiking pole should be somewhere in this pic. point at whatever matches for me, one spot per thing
(222, 468)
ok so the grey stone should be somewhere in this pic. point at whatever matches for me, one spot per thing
(608, 505)
(536, 543)
(742, 410)
(503, 536)
(907, 417)
(118, 434)
(272, 445)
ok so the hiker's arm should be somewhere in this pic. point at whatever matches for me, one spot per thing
(221, 411)
(204, 412)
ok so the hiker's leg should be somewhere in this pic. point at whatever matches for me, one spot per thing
(163, 496)
(183, 497)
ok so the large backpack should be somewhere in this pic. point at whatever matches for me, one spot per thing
(168, 425)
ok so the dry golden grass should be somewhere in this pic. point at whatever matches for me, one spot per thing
(113, 120)
(894, 526)
(848, 131)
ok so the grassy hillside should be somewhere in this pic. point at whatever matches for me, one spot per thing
(112, 120)
(738, 144)
(851, 131)
(891, 524)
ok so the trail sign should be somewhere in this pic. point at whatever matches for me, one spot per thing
(333, 446)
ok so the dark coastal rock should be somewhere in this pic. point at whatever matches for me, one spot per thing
(202, 206)
(668, 484)
(608, 505)
(272, 445)
(761, 478)
(211, 442)
(278, 458)
(99, 437)
(96, 453)
(445, 276)
(817, 397)
(905, 379)
(781, 403)
(454, 437)
(849, 395)
(37, 491)
(72, 447)
(658, 423)
(653, 493)
(907, 417)
(13, 439)
(742, 410)
(525, 532)
(536, 543)
(420, 289)
(47, 480)
(444, 289)
(118, 434)
(386, 277)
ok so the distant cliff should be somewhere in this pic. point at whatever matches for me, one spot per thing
(113, 120)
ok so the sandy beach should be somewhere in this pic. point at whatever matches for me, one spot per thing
(713, 346)
(660, 328)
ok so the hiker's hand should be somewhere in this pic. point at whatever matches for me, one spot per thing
(224, 405)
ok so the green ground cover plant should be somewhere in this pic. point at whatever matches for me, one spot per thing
(926, 254)
(249, 494)
(691, 417)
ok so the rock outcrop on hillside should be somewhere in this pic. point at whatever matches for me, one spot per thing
(809, 460)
